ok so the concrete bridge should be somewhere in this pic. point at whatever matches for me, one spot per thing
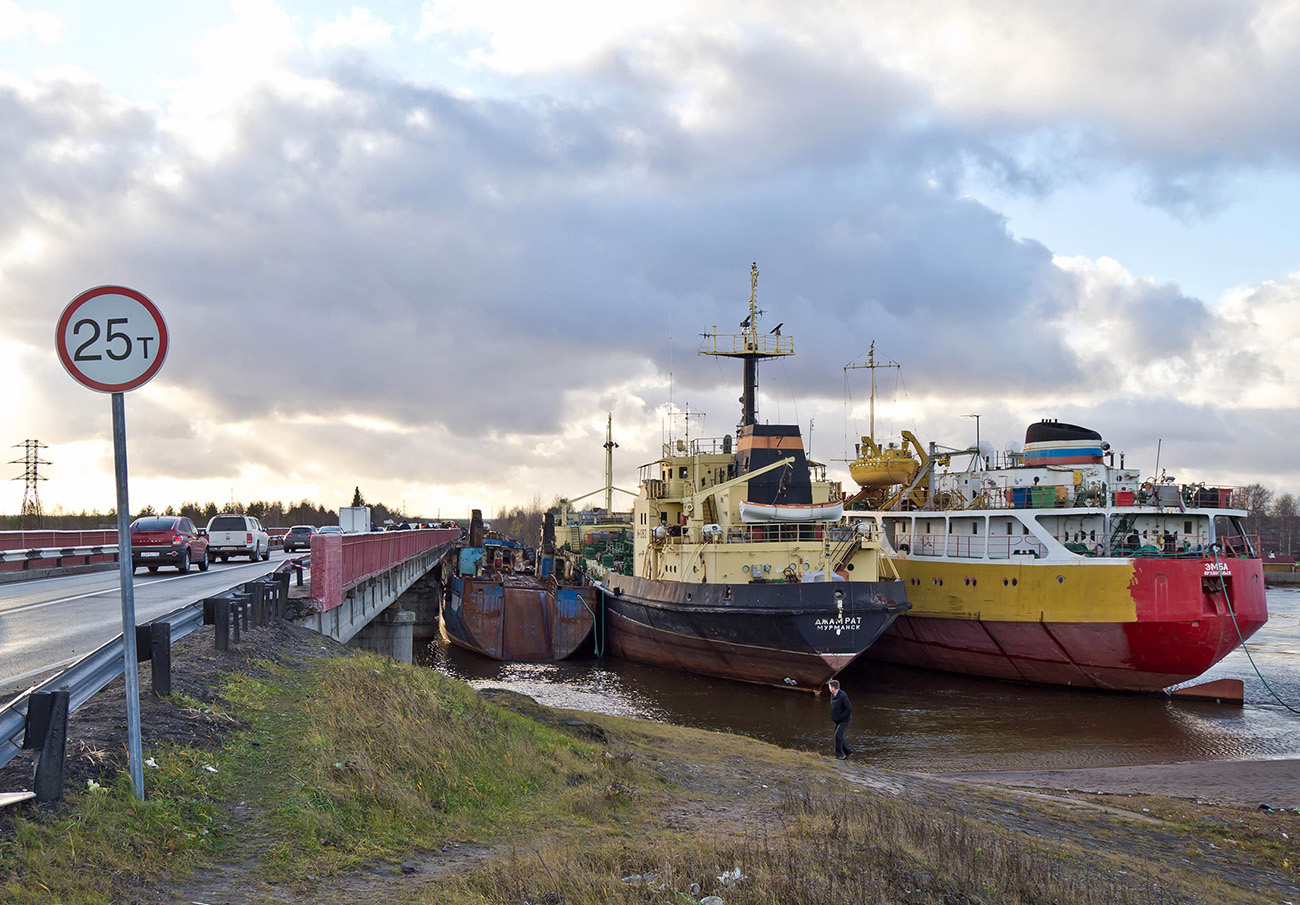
(373, 590)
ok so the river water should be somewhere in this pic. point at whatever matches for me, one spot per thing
(911, 719)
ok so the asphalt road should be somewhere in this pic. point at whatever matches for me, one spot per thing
(48, 623)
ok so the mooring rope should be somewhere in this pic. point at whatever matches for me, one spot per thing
(583, 598)
(1233, 613)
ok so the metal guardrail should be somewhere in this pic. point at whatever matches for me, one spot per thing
(57, 553)
(91, 673)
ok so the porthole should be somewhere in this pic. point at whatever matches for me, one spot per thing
(1005, 582)
(1013, 582)
(744, 568)
(1060, 579)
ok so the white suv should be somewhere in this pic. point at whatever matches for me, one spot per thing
(237, 535)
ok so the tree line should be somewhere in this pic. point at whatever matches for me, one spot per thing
(1270, 515)
(1274, 517)
(272, 514)
(523, 523)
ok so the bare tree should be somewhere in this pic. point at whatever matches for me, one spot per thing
(1284, 513)
(522, 523)
(1255, 499)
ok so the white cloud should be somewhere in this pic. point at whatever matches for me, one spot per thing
(377, 282)
(516, 36)
(17, 24)
(359, 28)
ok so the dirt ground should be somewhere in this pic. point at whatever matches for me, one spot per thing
(1273, 784)
(1090, 808)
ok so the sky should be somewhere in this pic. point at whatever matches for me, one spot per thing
(425, 249)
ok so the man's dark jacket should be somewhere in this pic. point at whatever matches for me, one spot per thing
(841, 708)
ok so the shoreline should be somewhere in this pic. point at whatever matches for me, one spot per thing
(1274, 784)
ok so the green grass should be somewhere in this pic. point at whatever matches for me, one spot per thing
(108, 841)
(357, 760)
(379, 757)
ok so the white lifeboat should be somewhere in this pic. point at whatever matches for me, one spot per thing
(751, 513)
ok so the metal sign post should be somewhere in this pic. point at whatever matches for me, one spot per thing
(113, 339)
(126, 578)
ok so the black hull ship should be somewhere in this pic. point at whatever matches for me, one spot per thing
(742, 567)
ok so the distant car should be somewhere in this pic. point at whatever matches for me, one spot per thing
(238, 535)
(330, 529)
(299, 538)
(167, 540)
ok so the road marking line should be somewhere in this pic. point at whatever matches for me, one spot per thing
(115, 590)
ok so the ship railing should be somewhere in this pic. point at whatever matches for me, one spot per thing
(711, 446)
(775, 532)
(1242, 546)
(1004, 494)
(1165, 545)
(1170, 497)
(976, 547)
(732, 343)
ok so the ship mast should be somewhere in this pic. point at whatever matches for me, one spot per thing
(750, 347)
(610, 446)
(871, 364)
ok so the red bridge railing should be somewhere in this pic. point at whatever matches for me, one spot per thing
(343, 561)
(52, 541)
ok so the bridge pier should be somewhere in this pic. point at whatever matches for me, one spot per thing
(389, 634)
(424, 600)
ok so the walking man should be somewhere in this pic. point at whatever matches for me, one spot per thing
(841, 713)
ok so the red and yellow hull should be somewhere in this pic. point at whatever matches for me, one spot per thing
(1131, 625)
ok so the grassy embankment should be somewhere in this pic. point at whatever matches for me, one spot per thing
(333, 774)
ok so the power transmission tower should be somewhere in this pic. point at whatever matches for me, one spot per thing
(31, 462)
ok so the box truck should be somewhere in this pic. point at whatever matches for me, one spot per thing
(354, 519)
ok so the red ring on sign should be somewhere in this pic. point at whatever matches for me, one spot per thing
(164, 341)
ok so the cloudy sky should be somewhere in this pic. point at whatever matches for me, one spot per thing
(425, 247)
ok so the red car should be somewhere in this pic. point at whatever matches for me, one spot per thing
(167, 540)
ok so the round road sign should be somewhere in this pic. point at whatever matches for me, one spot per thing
(111, 339)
